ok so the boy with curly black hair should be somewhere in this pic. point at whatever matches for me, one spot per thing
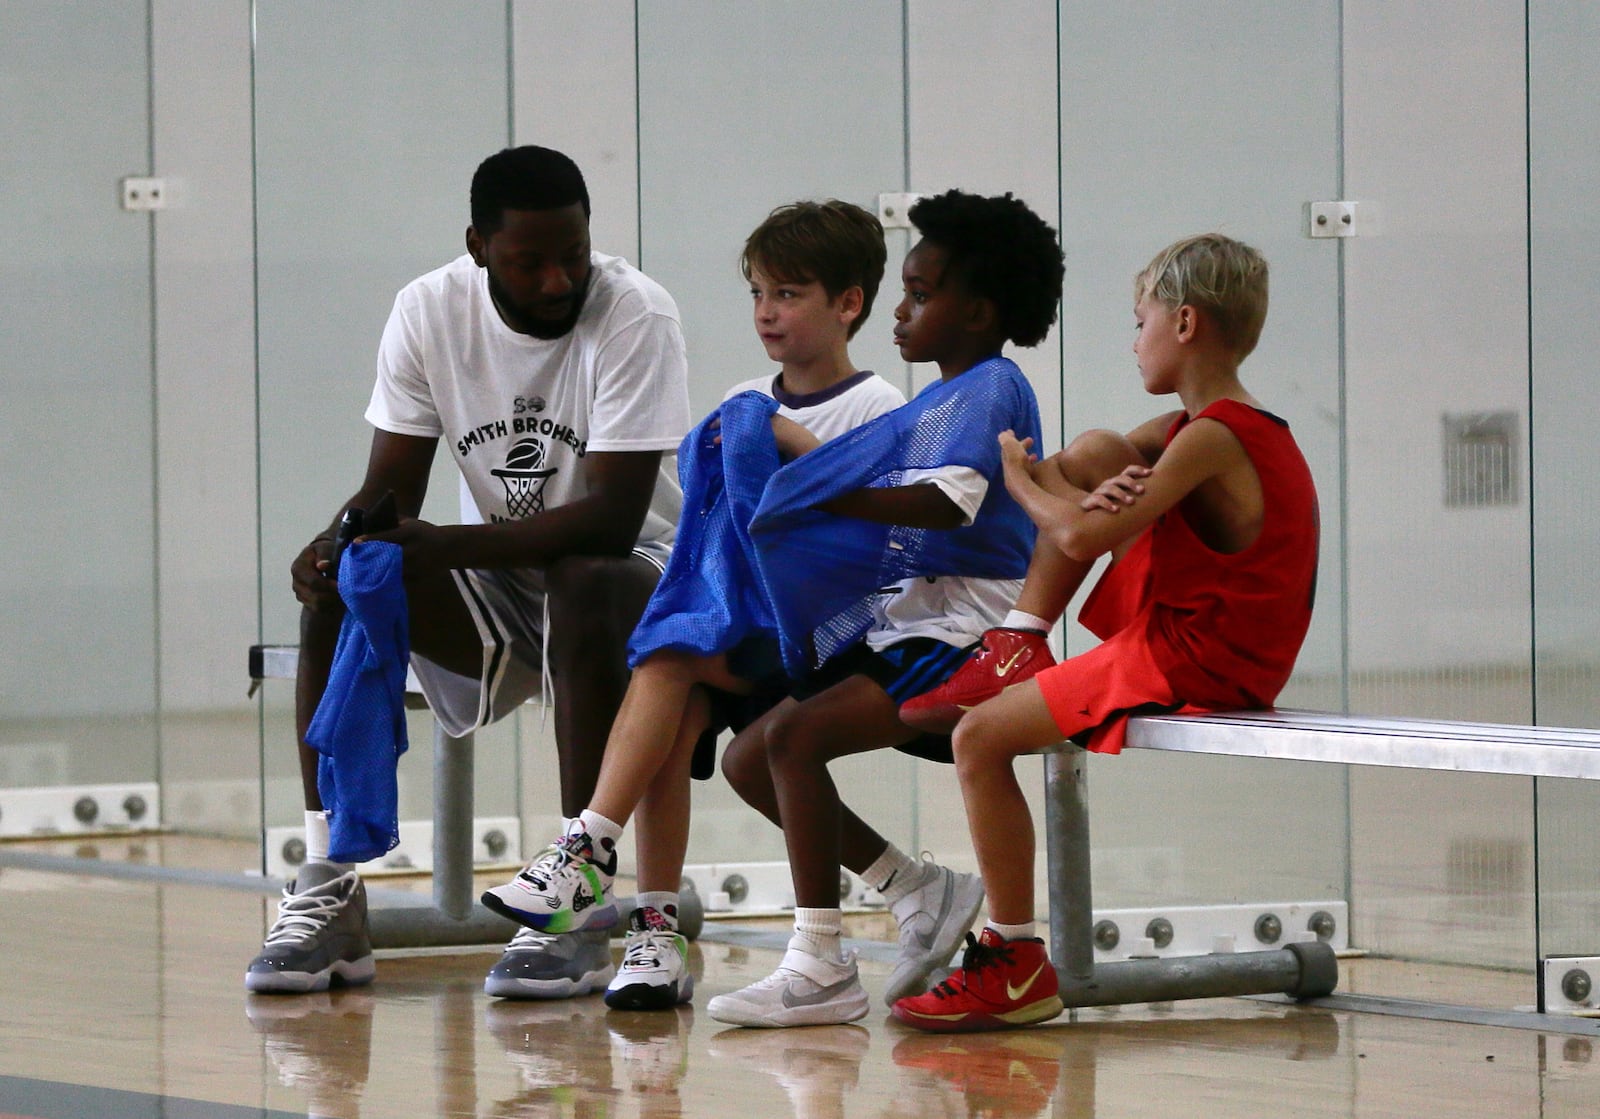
(917, 482)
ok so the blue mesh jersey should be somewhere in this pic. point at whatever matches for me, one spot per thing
(359, 729)
(792, 576)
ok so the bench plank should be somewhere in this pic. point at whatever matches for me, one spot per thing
(1318, 736)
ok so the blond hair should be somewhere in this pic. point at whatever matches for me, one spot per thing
(1223, 277)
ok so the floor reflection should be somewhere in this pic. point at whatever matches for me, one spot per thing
(175, 1035)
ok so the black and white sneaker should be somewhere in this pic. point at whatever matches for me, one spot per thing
(655, 965)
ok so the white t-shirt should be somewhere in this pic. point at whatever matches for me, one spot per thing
(520, 413)
(832, 412)
(954, 609)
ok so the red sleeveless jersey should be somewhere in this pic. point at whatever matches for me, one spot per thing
(1224, 629)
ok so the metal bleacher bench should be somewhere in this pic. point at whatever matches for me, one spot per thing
(1302, 970)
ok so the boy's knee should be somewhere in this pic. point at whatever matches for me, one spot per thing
(787, 739)
(977, 737)
(743, 764)
(1096, 455)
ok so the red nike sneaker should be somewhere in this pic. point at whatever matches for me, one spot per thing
(1006, 657)
(1000, 984)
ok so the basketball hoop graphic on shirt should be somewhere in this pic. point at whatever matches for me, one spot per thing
(524, 475)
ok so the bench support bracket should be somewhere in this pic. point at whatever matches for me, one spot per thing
(1302, 970)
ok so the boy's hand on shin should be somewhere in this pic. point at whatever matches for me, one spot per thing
(1119, 491)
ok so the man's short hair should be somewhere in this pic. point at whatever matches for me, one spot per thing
(836, 244)
(525, 178)
(1223, 277)
(1001, 251)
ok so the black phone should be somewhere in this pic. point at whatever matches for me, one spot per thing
(359, 522)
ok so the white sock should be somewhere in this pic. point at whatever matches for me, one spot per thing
(604, 832)
(316, 836)
(818, 931)
(664, 902)
(1019, 619)
(894, 874)
(1024, 931)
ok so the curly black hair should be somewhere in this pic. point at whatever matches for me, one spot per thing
(1003, 252)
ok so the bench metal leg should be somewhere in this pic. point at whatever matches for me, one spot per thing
(1308, 970)
(455, 917)
(452, 823)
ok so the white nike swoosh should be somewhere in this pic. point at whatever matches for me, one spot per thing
(1018, 992)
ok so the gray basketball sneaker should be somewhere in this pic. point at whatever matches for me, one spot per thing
(542, 965)
(320, 937)
(934, 919)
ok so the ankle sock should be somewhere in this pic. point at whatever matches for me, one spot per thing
(894, 874)
(604, 832)
(664, 902)
(1024, 931)
(819, 932)
(1019, 619)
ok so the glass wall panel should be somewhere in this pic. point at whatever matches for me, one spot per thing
(744, 107)
(370, 119)
(77, 558)
(1563, 173)
(1172, 126)
(1436, 381)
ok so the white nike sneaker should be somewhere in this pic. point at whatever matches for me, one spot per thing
(804, 991)
(934, 919)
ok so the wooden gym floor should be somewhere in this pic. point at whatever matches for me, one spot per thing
(122, 997)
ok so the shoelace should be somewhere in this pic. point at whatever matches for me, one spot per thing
(531, 938)
(646, 947)
(551, 862)
(975, 957)
(302, 916)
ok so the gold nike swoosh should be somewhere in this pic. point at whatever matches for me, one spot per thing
(1018, 992)
(1010, 662)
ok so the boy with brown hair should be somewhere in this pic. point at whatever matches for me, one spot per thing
(1210, 515)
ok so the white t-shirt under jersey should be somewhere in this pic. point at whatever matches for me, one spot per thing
(832, 412)
(520, 413)
(955, 609)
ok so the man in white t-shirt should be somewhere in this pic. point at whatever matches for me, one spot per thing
(556, 378)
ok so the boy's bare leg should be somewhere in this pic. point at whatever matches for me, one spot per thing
(646, 731)
(1090, 459)
(779, 766)
(661, 825)
(654, 974)
(987, 743)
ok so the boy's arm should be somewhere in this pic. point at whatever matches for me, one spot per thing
(1203, 450)
(923, 505)
(793, 439)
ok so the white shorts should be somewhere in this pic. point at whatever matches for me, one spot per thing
(508, 607)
